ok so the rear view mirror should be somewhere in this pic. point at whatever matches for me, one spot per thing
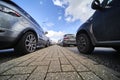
(96, 5)
(46, 33)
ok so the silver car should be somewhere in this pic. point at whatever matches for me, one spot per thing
(69, 39)
(18, 29)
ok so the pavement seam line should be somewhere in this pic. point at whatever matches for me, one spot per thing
(84, 65)
(72, 65)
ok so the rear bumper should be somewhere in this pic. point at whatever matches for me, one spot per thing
(7, 39)
(69, 42)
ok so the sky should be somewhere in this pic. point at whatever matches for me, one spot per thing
(58, 17)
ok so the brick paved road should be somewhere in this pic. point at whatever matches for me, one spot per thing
(55, 63)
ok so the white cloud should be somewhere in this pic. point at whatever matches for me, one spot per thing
(68, 19)
(57, 3)
(53, 35)
(49, 24)
(76, 9)
(60, 17)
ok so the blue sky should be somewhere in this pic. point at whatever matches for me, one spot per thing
(58, 17)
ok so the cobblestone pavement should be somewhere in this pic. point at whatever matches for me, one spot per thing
(55, 63)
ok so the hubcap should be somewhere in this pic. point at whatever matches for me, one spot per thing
(82, 43)
(30, 43)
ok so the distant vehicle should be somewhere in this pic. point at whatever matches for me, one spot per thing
(102, 29)
(48, 43)
(60, 42)
(68, 39)
(18, 29)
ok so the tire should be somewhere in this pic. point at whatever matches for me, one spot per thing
(64, 45)
(84, 44)
(27, 44)
(117, 49)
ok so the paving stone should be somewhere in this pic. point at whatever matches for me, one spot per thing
(103, 73)
(19, 70)
(39, 73)
(8, 65)
(51, 59)
(63, 76)
(41, 63)
(19, 77)
(64, 61)
(46, 64)
(4, 77)
(40, 58)
(85, 60)
(26, 62)
(41, 69)
(78, 66)
(89, 76)
(67, 68)
(54, 66)
(12, 63)
(37, 76)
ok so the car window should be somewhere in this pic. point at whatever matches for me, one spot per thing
(109, 2)
(70, 36)
(114, 2)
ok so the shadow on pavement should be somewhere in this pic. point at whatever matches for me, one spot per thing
(6, 55)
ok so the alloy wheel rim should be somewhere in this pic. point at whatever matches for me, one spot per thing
(82, 43)
(30, 43)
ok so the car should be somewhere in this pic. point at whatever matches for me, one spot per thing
(68, 39)
(18, 29)
(102, 29)
(60, 42)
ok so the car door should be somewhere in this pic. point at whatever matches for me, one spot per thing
(112, 20)
(97, 25)
(41, 38)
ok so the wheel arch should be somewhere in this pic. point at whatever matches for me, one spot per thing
(23, 32)
(87, 33)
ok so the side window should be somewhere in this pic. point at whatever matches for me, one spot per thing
(113, 2)
(109, 1)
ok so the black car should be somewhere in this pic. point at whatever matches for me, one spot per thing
(102, 29)
(18, 29)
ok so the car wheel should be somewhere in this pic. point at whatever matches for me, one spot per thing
(64, 45)
(27, 44)
(84, 44)
(117, 49)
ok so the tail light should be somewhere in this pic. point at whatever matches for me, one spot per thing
(9, 11)
(65, 38)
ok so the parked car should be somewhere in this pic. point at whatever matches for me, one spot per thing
(102, 29)
(18, 29)
(60, 42)
(68, 39)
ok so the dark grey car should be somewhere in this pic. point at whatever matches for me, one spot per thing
(102, 29)
(18, 29)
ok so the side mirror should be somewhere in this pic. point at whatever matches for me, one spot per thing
(96, 5)
(46, 33)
